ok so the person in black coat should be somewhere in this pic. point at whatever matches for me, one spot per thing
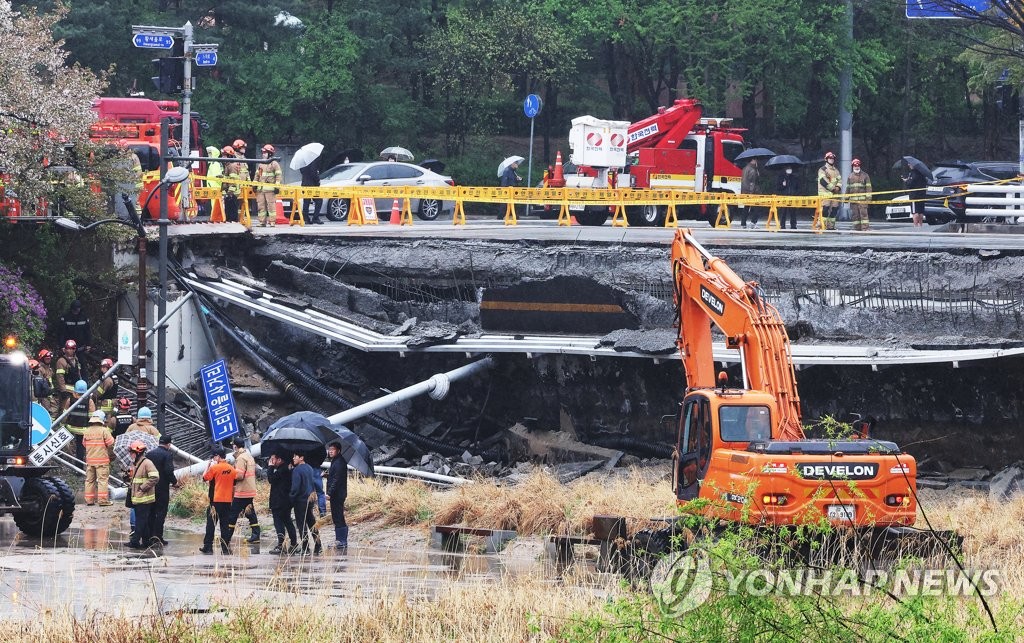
(788, 185)
(280, 479)
(337, 491)
(311, 207)
(163, 460)
(915, 182)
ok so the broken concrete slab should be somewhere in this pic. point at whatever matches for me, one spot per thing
(570, 471)
(965, 473)
(932, 483)
(556, 446)
(1007, 483)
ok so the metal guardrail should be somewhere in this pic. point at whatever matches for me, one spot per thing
(1001, 200)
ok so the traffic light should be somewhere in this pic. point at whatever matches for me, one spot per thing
(170, 75)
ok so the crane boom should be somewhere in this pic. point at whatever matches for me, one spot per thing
(707, 290)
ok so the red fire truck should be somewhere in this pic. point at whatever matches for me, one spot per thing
(677, 148)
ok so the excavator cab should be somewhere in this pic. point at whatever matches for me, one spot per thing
(42, 505)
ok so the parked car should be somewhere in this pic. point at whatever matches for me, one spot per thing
(383, 173)
(946, 192)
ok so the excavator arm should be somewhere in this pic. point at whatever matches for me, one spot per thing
(708, 291)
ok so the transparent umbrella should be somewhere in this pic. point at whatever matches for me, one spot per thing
(400, 153)
(509, 161)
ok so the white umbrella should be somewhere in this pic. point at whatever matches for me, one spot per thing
(306, 155)
(509, 161)
(400, 153)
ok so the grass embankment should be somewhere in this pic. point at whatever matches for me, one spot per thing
(536, 609)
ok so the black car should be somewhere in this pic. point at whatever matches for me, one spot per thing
(945, 191)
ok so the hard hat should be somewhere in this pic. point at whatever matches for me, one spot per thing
(107, 363)
(97, 417)
(137, 446)
(829, 155)
(211, 150)
(43, 354)
(227, 149)
(124, 404)
(33, 364)
(238, 143)
(71, 344)
(144, 412)
(81, 387)
(269, 148)
(855, 163)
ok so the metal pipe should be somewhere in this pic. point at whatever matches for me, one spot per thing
(436, 386)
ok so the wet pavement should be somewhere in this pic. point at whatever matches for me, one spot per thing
(88, 570)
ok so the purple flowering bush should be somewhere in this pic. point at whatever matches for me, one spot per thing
(22, 312)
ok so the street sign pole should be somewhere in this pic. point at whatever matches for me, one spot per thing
(186, 115)
(531, 107)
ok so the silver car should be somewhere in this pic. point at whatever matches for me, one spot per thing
(384, 173)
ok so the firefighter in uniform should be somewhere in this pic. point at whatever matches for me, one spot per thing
(98, 448)
(142, 495)
(245, 491)
(123, 419)
(106, 393)
(231, 190)
(144, 423)
(858, 191)
(830, 185)
(78, 418)
(43, 382)
(269, 174)
(67, 373)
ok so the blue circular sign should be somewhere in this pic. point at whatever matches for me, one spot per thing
(41, 423)
(532, 105)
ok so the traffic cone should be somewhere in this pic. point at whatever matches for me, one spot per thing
(557, 179)
(396, 213)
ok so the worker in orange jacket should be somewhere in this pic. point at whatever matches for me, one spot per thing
(221, 476)
(99, 446)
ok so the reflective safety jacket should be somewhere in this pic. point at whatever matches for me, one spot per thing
(78, 418)
(268, 173)
(68, 372)
(245, 475)
(830, 181)
(98, 442)
(144, 478)
(858, 186)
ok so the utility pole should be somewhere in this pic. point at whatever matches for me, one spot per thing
(845, 117)
(186, 115)
(161, 343)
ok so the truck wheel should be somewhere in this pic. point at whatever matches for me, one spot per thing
(595, 215)
(429, 209)
(645, 215)
(337, 209)
(48, 505)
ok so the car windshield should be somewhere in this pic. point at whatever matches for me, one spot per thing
(346, 172)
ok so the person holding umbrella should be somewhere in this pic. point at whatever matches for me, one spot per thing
(304, 495)
(915, 179)
(337, 491)
(788, 185)
(307, 161)
(509, 177)
(280, 479)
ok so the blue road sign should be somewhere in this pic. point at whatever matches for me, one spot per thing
(153, 41)
(942, 8)
(220, 405)
(41, 423)
(532, 105)
(206, 59)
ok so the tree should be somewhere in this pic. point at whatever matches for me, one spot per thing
(45, 105)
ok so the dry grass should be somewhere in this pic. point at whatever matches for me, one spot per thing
(521, 609)
(539, 505)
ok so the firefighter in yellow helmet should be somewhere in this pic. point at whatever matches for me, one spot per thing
(268, 175)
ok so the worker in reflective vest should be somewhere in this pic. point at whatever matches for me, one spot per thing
(98, 445)
(142, 496)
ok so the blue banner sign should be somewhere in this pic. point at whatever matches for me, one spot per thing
(946, 8)
(220, 405)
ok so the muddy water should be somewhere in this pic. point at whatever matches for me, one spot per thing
(88, 570)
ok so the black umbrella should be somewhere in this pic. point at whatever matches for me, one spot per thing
(783, 160)
(353, 449)
(433, 165)
(293, 439)
(918, 165)
(755, 153)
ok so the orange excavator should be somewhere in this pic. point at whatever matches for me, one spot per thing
(743, 450)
